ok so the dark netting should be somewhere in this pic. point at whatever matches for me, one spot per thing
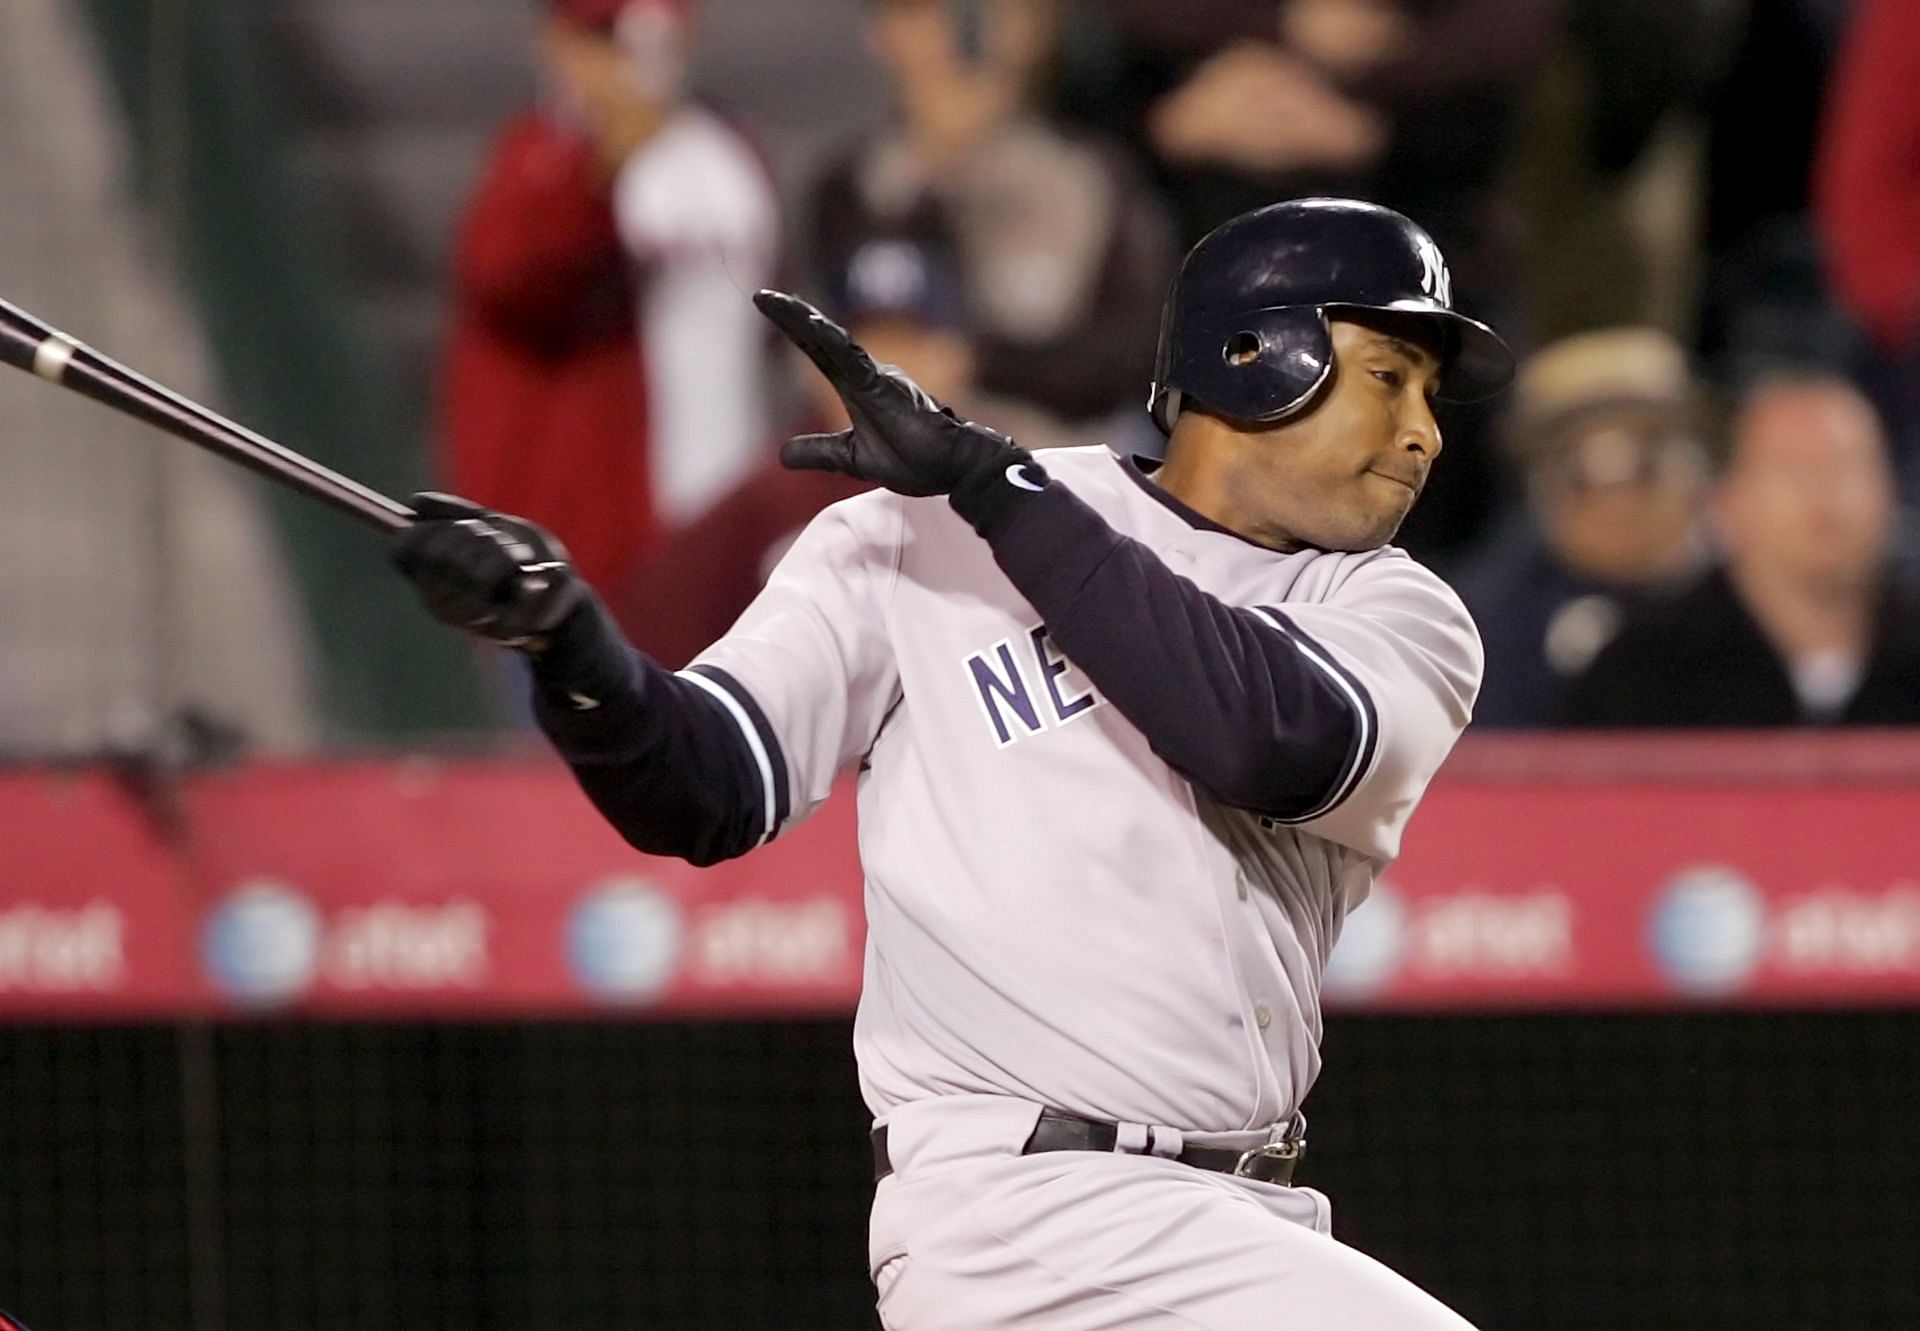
(1706, 1171)
(543, 1176)
(93, 1217)
(1645, 1171)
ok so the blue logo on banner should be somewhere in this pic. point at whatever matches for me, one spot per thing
(1372, 941)
(1707, 930)
(262, 943)
(623, 940)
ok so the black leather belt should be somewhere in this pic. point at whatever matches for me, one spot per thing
(1057, 1130)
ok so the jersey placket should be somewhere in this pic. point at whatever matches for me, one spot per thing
(1261, 991)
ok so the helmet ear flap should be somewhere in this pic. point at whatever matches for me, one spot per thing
(1296, 357)
(1265, 366)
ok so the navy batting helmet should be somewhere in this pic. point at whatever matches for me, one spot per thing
(1245, 331)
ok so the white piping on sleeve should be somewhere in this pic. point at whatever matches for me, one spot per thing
(1362, 717)
(754, 743)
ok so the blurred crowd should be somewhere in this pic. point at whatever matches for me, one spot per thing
(1699, 220)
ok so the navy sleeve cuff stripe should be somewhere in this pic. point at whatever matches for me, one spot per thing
(1366, 720)
(761, 742)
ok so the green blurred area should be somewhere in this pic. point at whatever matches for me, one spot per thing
(211, 151)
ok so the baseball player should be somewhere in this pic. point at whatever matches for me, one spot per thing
(1134, 735)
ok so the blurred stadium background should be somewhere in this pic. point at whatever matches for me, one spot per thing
(324, 1000)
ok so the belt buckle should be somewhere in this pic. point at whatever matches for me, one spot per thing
(1285, 1155)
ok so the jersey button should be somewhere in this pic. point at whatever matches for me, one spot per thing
(1240, 885)
(1262, 1017)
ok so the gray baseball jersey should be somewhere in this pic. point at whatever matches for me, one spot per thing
(1057, 909)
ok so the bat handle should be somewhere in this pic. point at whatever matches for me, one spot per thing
(376, 510)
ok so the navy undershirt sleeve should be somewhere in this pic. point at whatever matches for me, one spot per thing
(1226, 696)
(665, 760)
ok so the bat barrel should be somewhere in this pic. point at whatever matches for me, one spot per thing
(21, 337)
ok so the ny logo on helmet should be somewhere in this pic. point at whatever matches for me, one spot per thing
(1434, 279)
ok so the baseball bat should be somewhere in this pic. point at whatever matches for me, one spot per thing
(30, 345)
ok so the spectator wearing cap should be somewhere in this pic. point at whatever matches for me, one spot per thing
(900, 298)
(1606, 427)
(603, 374)
(1064, 251)
(1806, 620)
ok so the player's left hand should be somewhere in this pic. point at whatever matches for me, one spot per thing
(492, 574)
(900, 438)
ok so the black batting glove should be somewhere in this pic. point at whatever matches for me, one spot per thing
(489, 573)
(901, 438)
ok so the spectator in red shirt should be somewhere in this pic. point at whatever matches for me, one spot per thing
(610, 209)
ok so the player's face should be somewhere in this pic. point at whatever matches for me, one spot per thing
(1344, 474)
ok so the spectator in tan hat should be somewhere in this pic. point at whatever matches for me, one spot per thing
(1606, 427)
(1806, 620)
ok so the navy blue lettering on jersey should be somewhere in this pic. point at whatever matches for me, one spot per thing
(1052, 667)
(1003, 693)
(1025, 691)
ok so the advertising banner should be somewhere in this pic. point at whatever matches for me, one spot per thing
(1537, 875)
(478, 889)
(96, 910)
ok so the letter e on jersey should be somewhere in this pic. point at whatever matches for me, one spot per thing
(1017, 706)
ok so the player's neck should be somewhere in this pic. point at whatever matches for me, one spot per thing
(1198, 473)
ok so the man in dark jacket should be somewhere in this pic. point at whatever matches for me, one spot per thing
(1805, 621)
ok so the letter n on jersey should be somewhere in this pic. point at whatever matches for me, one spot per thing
(1026, 691)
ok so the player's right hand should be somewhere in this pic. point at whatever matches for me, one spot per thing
(489, 573)
(900, 438)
